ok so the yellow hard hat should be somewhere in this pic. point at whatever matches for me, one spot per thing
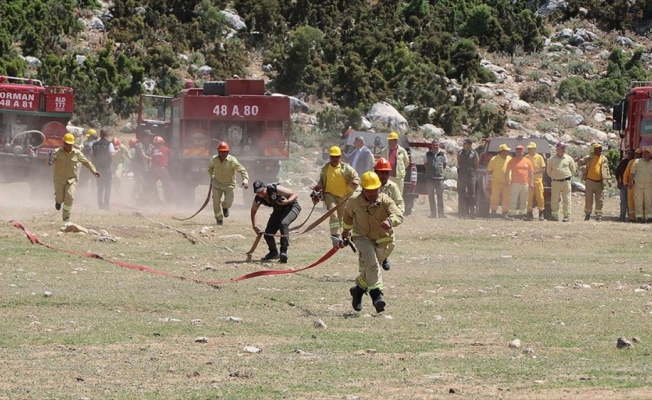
(335, 151)
(597, 146)
(370, 180)
(69, 138)
(532, 145)
(392, 136)
(503, 147)
(91, 132)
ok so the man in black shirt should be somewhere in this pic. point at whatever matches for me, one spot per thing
(622, 186)
(286, 210)
(467, 167)
(103, 152)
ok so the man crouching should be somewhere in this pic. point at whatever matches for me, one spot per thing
(371, 216)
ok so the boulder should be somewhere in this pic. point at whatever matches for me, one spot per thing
(596, 135)
(501, 73)
(551, 7)
(365, 123)
(140, 10)
(410, 108)
(624, 41)
(565, 33)
(450, 184)
(183, 58)
(96, 23)
(149, 85)
(430, 131)
(205, 69)
(513, 125)
(80, 59)
(600, 117)
(383, 113)
(234, 20)
(268, 68)
(32, 61)
(519, 105)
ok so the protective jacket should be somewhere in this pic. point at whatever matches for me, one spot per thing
(392, 190)
(364, 217)
(604, 167)
(467, 163)
(223, 172)
(66, 165)
(402, 160)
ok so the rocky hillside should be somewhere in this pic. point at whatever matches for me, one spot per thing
(455, 68)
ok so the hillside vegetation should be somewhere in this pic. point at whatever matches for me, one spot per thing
(350, 53)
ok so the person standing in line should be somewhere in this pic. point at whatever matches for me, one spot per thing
(361, 159)
(631, 206)
(87, 149)
(560, 169)
(222, 169)
(468, 163)
(435, 163)
(622, 185)
(522, 174)
(159, 172)
(369, 219)
(641, 179)
(286, 209)
(66, 160)
(536, 192)
(337, 180)
(499, 191)
(596, 176)
(141, 165)
(398, 158)
(119, 163)
(103, 152)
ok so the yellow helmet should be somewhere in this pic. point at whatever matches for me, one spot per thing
(91, 132)
(370, 180)
(392, 136)
(335, 151)
(69, 138)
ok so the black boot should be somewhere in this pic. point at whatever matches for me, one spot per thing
(377, 300)
(386, 265)
(283, 257)
(529, 216)
(356, 293)
(272, 255)
(225, 212)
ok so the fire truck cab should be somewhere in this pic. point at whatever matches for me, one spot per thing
(33, 120)
(255, 125)
(632, 117)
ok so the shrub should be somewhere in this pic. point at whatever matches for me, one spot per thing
(545, 126)
(574, 89)
(538, 93)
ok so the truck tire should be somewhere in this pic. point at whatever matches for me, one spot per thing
(215, 88)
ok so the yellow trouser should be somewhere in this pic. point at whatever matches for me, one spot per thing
(64, 193)
(370, 255)
(218, 204)
(631, 205)
(335, 220)
(593, 189)
(499, 194)
(538, 191)
(517, 191)
(398, 181)
(563, 189)
(642, 199)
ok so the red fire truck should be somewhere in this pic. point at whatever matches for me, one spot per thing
(256, 126)
(633, 116)
(33, 120)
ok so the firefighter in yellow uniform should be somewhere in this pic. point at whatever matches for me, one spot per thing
(641, 179)
(337, 180)
(222, 170)
(499, 192)
(66, 161)
(536, 192)
(369, 219)
(596, 175)
(631, 205)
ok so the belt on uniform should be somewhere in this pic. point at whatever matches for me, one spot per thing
(592, 180)
(562, 180)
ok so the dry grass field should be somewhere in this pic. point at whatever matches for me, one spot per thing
(459, 292)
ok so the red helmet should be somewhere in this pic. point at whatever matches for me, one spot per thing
(383, 165)
(158, 140)
(132, 142)
(116, 142)
(223, 146)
